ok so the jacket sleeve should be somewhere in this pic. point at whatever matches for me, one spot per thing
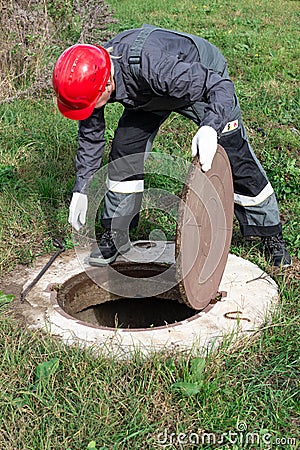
(91, 144)
(194, 82)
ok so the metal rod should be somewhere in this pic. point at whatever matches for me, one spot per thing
(61, 249)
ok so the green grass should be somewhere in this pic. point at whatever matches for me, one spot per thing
(64, 398)
(56, 397)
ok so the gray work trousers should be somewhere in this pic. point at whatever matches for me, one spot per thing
(255, 203)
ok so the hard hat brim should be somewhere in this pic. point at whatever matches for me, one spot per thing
(75, 114)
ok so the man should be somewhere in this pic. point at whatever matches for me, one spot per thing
(152, 72)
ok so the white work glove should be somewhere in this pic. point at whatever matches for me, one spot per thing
(78, 209)
(205, 144)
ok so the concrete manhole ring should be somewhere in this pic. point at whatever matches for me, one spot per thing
(250, 297)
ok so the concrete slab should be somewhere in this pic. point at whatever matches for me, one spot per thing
(250, 297)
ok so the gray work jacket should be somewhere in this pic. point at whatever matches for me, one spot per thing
(174, 74)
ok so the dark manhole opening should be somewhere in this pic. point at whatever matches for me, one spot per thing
(83, 299)
(141, 312)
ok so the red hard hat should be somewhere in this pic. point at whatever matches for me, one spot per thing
(79, 78)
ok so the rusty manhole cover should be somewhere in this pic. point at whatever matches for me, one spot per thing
(204, 230)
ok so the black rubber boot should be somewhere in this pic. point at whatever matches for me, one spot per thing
(275, 250)
(112, 244)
